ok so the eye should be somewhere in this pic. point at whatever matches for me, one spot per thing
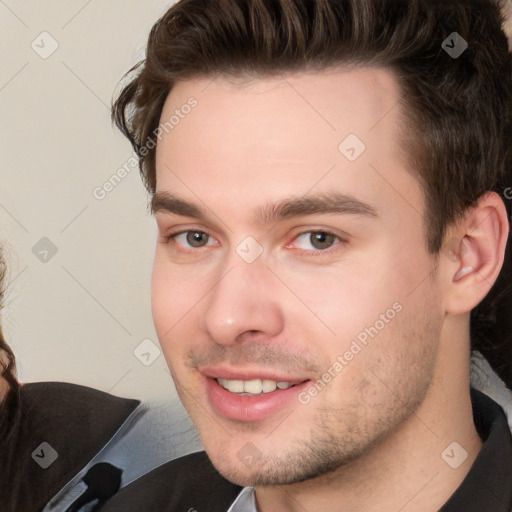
(191, 238)
(321, 241)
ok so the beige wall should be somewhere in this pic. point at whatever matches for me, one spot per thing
(79, 315)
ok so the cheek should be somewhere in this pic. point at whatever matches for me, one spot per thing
(369, 300)
(345, 300)
(169, 314)
(171, 297)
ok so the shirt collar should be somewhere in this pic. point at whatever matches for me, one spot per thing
(487, 486)
(245, 502)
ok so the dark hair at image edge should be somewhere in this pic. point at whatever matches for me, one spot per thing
(456, 112)
(10, 406)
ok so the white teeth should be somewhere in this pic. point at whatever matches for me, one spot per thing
(235, 386)
(253, 387)
(269, 385)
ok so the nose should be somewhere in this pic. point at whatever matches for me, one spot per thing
(245, 300)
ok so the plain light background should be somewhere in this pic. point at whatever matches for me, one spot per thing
(77, 315)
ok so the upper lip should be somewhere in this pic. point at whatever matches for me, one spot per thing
(217, 372)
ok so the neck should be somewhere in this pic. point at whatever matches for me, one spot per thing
(405, 471)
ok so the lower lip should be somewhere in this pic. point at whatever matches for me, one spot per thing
(249, 408)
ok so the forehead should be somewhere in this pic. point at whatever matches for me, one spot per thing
(333, 129)
(332, 103)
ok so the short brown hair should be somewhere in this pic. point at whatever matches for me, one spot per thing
(458, 109)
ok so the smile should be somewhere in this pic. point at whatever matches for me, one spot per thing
(252, 399)
(253, 386)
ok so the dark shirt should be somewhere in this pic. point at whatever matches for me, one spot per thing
(488, 485)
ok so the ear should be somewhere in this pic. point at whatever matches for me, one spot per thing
(476, 250)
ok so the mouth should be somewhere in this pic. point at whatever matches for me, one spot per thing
(252, 398)
(253, 387)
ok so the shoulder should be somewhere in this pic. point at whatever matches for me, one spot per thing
(71, 418)
(190, 482)
(53, 400)
(62, 426)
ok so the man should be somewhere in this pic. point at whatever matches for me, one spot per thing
(326, 177)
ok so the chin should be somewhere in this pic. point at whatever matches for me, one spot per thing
(284, 469)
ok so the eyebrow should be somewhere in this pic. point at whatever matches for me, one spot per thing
(323, 203)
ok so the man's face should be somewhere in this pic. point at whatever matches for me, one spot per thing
(334, 292)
